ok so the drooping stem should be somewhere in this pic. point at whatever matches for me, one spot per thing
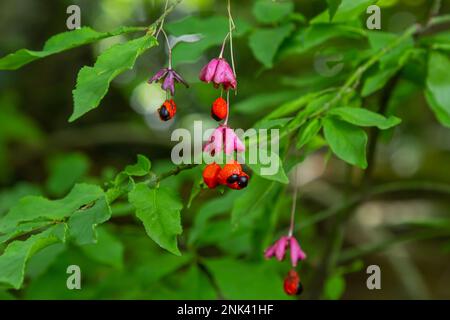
(169, 48)
(223, 45)
(163, 19)
(167, 11)
(232, 27)
(228, 108)
(294, 204)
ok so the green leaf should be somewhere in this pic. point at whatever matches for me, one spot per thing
(364, 118)
(379, 40)
(438, 87)
(140, 169)
(93, 82)
(211, 31)
(33, 208)
(159, 210)
(307, 132)
(266, 42)
(347, 11)
(108, 250)
(378, 80)
(346, 141)
(58, 43)
(65, 171)
(305, 39)
(14, 258)
(334, 287)
(333, 6)
(255, 280)
(82, 223)
(268, 11)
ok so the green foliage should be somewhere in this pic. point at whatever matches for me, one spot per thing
(93, 82)
(348, 10)
(334, 287)
(15, 256)
(347, 141)
(159, 210)
(59, 43)
(308, 132)
(438, 87)
(65, 171)
(40, 237)
(211, 30)
(365, 118)
(266, 42)
(333, 6)
(240, 280)
(267, 11)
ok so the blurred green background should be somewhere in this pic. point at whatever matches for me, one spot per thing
(405, 233)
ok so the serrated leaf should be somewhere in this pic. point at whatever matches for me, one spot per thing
(364, 118)
(141, 168)
(82, 223)
(438, 87)
(268, 11)
(93, 82)
(65, 171)
(307, 132)
(59, 43)
(39, 209)
(159, 210)
(266, 42)
(14, 258)
(346, 141)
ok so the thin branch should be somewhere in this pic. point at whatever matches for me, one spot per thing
(152, 28)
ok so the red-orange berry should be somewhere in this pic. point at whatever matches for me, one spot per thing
(292, 284)
(210, 174)
(167, 110)
(228, 170)
(219, 109)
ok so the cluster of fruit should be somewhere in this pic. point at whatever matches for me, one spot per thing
(231, 175)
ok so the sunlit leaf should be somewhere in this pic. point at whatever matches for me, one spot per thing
(347, 141)
(159, 211)
(268, 11)
(93, 82)
(438, 87)
(364, 118)
(14, 258)
(58, 43)
(266, 42)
